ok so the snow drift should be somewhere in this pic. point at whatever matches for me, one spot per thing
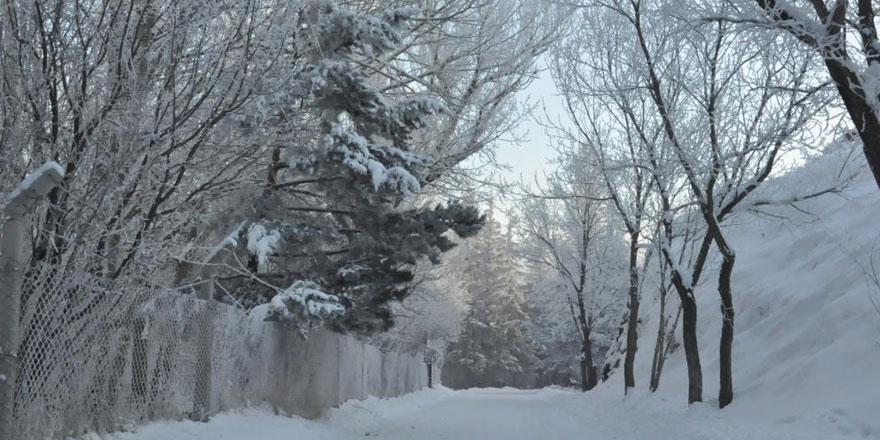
(807, 330)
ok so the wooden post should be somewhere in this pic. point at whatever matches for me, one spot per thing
(430, 358)
(15, 232)
(430, 381)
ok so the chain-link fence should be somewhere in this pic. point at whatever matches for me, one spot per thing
(100, 357)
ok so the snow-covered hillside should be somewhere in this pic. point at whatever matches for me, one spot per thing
(807, 339)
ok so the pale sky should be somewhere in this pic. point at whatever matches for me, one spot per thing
(532, 156)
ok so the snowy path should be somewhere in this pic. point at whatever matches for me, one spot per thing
(486, 414)
(509, 414)
(505, 414)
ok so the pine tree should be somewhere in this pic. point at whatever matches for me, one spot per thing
(332, 219)
(493, 345)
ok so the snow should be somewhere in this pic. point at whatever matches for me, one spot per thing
(405, 182)
(228, 242)
(350, 270)
(262, 243)
(50, 167)
(361, 157)
(807, 338)
(313, 301)
(509, 414)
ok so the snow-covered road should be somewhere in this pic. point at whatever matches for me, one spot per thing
(504, 414)
(486, 414)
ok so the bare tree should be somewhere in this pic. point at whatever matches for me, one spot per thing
(705, 108)
(730, 154)
(628, 188)
(565, 231)
(474, 56)
(136, 101)
(684, 232)
(851, 62)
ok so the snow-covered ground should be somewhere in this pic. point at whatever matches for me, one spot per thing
(486, 414)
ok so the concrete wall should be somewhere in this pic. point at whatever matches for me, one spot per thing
(328, 369)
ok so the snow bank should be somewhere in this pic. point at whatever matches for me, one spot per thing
(350, 421)
(807, 338)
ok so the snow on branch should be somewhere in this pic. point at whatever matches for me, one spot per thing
(304, 300)
(363, 157)
(229, 242)
(262, 243)
(332, 29)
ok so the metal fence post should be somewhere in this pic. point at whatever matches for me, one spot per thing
(15, 231)
(205, 355)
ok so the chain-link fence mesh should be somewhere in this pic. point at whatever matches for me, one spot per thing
(99, 357)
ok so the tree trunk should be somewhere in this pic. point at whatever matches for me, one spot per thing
(668, 345)
(587, 364)
(585, 322)
(689, 338)
(205, 327)
(204, 352)
(725, 392)
(658, 347)
(860, 112)
(691, 352)
(632, 330)
(584, 373)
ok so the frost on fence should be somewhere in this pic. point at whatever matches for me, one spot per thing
(100, 357)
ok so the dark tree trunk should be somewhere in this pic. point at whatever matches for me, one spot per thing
(658, 347)
(689, 338)
(863, 116)
(588, 370)
(691, 352)
(587, 364)
(725, 291)
(663, 333)
(584, 373)
(685, 291)
(725, 392)
(847, 80)
(669, 345)
(632, 329)
(276, 166)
